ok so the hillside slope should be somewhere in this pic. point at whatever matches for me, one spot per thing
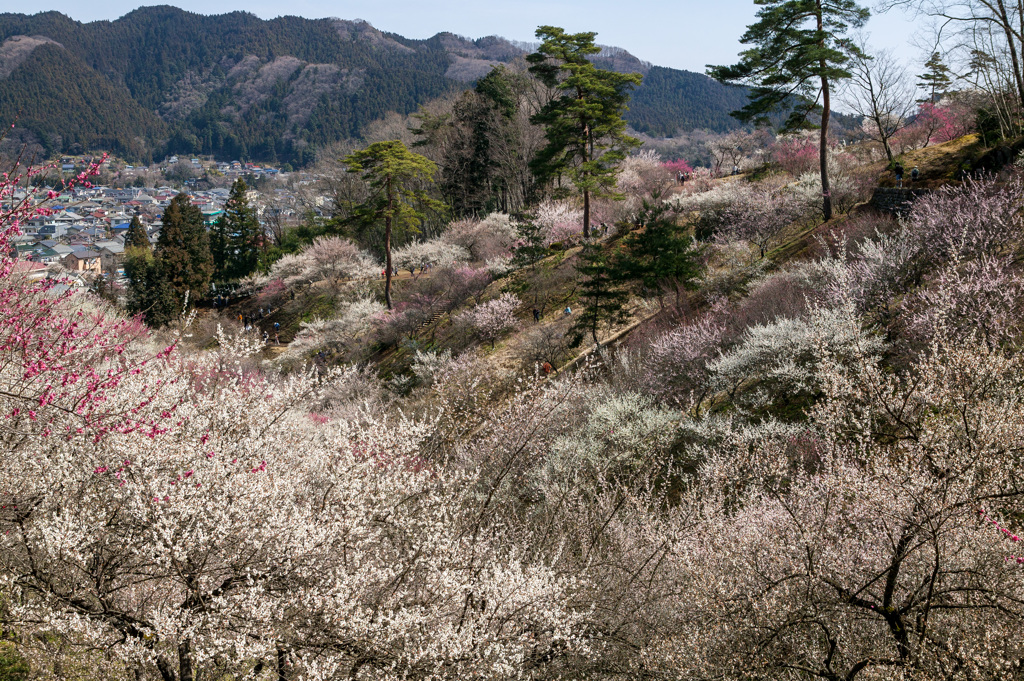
(238, 86)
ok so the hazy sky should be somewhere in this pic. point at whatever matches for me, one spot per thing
(684, 34)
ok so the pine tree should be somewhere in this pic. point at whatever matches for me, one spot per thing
(530, 248)
(136, 236)
(659, 255)
(601, 294)
(391, 173)
(183, 249)
(799, 52)
(936, 78)
(585, 131)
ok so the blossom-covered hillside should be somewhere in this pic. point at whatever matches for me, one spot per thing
(792, 465)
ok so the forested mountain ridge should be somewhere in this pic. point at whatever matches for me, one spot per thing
(162, 80)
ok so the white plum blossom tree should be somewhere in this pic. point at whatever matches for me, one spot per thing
(435, 253)
(491, 319)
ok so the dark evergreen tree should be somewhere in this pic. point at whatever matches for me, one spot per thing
(236, 237)
(936, 78)
(220, 239)
(601, 294)
(136, 236)
(531, 245)
(468, 166)
(183, 249)
(799, 51)
(150, 294)
(478, 146)
(659, 255)
(584, 125)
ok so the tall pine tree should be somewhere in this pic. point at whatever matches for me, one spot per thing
(393, 176)
(183, 249)
(585, 132)
(936, 78)
(799, 52)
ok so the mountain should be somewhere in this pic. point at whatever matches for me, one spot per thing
(162, 80)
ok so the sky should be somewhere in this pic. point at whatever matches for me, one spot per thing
(682, 34)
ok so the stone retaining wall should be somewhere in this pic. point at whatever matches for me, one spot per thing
(896, 201)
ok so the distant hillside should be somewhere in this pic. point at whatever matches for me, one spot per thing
(161, 80)
(669, 96)
(67, 104)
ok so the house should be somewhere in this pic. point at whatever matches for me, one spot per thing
(111, 255)
(44, 255)
(34, 271)
(51, 231)
(25, 250)
(93, 233)
(84, 261)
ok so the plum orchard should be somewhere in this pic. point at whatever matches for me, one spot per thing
(179, 516)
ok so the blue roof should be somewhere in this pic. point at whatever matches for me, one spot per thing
(123, 225)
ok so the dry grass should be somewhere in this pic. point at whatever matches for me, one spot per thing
(938, 163)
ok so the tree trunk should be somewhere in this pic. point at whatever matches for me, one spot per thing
(887, 147)
(164, 667)
(1011, 42)
(185, 661)
(588, 154)
(282, 664)
(586, 213)
(826, 191)
(387, 250)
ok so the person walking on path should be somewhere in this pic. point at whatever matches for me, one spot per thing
(536, 315)
(898, 170)
(915, 174)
